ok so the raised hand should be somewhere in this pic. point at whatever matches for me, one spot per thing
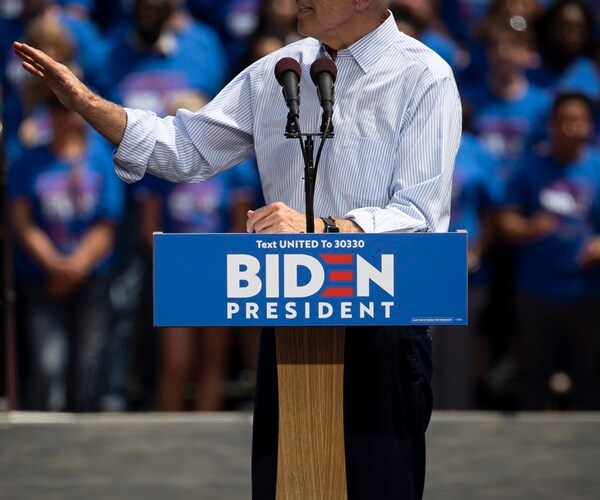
(60, 79)
(107, 118)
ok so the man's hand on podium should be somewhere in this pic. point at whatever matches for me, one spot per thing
(275, 218)
(279, 218)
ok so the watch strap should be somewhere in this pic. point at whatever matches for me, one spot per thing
(330, 225)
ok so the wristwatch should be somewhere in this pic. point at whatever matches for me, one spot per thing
(330, 225)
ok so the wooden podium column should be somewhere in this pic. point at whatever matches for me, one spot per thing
(310, 366)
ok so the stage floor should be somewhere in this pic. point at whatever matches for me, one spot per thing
(207, 456)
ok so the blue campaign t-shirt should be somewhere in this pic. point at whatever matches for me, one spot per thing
(582, 77)
(149, 80)
(444, 46)
(202, 45)
(549, 267)
(508, 128)
(203, 207)
(572, 78)
(474, 189)
(235, 21)
(67, 197)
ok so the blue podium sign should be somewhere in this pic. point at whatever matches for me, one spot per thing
(310, 279)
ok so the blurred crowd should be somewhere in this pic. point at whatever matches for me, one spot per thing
(526, 188)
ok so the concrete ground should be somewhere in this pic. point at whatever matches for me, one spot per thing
(207, 456)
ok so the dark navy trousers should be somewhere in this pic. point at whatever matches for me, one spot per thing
(387, 407)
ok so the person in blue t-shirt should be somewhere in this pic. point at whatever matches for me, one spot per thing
(509, 112)
(159, 59)
(552, 211)
(429, 28)
(215, 206)
(461, 353)
(565, 42)
(509, 115)
(235, 21)
(82, 34)
(65, 201)
(150, 63)
(461, 16)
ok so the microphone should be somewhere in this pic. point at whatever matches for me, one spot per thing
(323, 73)
(287, 72)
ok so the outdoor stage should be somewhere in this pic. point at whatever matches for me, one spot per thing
(207, 456)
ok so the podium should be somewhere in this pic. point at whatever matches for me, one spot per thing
(309, 287)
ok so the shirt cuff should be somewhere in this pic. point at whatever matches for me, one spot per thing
(131, 156)
(377, 220)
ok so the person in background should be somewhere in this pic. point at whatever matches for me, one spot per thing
(279, 18)
(509, 116)
(461, 354)
(236, 21)
(520, 15)
(65, 203)
(154, 58)
(201, 44)
(552, 211)
(509, 111)
(159, 58)
(188, 354)
(432, 31)
(462, 16)
(586, 82)
(83, 36)
(35, 129)
(565, 41)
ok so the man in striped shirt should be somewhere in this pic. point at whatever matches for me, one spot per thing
(389, 168)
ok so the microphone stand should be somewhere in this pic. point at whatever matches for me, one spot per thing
(292, 131)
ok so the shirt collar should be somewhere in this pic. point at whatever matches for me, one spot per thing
(371, 47)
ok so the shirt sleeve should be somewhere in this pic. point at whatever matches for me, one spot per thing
(421, 191)
(191, 146)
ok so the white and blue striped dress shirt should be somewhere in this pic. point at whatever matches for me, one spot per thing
(397, 121)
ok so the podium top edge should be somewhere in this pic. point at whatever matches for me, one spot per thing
(304, 235)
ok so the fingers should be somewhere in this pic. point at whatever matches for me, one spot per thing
(30, 54)
(275, 218)
(250, 222)
(258, 220)
(35, 61)
(30, 63)
(34, 70)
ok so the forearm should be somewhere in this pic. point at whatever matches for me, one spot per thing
(109, 119)
(32, 239)
(344, 225)
(39, 247)
(93, 247)
(515, 227)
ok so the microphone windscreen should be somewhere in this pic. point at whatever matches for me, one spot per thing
(287, 64)
(320, 65)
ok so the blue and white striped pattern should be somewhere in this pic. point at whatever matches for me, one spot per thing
(397, 121)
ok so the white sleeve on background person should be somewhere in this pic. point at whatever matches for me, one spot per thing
(429, 140)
